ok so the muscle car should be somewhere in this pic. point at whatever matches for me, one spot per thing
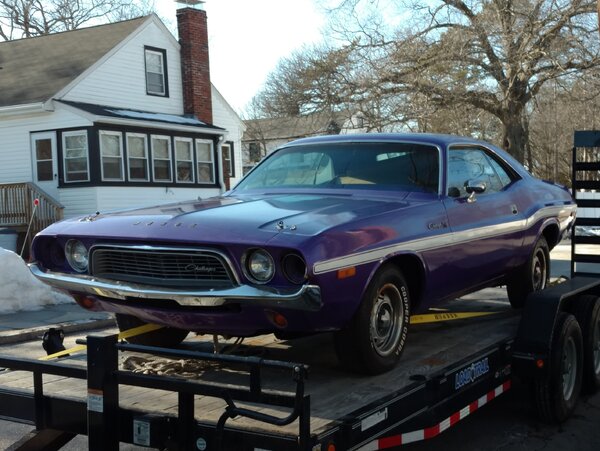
(349, 234)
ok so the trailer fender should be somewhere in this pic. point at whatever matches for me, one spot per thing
(537, 327)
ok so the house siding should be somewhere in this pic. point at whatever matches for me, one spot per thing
(113, 198)
(79, 201)
(15, 146)
(120, 80)
(224, 117)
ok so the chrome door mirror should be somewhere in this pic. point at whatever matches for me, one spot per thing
(474, 187)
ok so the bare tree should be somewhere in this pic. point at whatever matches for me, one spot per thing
(28, 18)
(492, 55)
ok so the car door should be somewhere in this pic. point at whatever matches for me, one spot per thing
(486, 227)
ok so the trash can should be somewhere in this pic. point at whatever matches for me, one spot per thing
(8, 239)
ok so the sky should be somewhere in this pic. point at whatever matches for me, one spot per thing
(248, 37)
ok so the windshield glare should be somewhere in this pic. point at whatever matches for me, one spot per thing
(402, 166)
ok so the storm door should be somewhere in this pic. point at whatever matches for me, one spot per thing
(45, 169)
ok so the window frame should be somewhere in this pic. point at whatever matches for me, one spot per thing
(231, 158)
(169, 158)
(165, 77)
(121, 155)
(190, 141)
(129, 158)
(489, 154)
(212, 161)
(65, 135)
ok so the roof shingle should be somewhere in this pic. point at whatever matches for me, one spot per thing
(34, 69)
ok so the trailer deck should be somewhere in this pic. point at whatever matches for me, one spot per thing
(339, 401)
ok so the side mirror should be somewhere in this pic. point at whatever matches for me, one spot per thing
(474, 187)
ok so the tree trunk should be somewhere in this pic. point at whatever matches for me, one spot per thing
(515, 137)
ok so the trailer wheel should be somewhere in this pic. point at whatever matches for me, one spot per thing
(374, 340)
(531, 277)
(166, 337)
(587, 312)
(556, 393)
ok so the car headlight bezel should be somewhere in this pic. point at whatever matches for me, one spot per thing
(294, 268)
(259, 265)
(77, 255)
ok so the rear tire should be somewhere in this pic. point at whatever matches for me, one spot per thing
(556, 393)
(166, 337)
(374, 340)
(531, 277)
(587, 312)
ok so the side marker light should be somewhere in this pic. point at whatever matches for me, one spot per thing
(346, 272)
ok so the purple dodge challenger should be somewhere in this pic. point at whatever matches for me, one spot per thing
(350, 234)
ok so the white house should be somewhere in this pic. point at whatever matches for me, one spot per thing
(114, 116)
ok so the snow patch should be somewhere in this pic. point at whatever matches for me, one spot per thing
(20, 290)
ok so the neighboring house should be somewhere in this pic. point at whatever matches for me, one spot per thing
(113, 116)
(263, 136)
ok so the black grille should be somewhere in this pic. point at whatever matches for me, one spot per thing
(163, 268)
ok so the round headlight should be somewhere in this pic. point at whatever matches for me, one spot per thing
(260, 265)
(77, 255)
(294, 268)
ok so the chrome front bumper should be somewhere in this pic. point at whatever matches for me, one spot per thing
(306, 297)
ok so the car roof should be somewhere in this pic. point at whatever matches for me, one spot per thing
(426, 138)
(437, 139)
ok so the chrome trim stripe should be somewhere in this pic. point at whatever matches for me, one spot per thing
(306, 297)
(442, 240)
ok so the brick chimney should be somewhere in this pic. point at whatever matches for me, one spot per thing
(195, 69)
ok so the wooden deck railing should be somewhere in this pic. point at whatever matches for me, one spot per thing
(16, 208)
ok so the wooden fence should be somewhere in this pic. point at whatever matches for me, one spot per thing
(17, 208)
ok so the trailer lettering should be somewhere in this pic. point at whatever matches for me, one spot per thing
(471, 373)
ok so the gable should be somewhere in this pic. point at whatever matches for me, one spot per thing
(34, 69)
(120, 78)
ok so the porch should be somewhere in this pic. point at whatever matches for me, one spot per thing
(17, 209)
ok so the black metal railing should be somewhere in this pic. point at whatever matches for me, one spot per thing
(106, 418)
(586, 191)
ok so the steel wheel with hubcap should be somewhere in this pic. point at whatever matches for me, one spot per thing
(532, 276)
(569, 368)
(374, 340)
(557, 391)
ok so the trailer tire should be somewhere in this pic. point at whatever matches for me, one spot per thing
(374, 340)
(587, 312)
(166, 337)
(533, 276)
(556, 393)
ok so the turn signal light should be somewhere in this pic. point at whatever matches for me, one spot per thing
(85, 301)
(277, 319)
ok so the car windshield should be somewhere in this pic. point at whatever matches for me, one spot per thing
(401, 166)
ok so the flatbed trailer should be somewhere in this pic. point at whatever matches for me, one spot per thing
(255, 399)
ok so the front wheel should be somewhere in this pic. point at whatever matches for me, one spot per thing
(374, 340)
(556, 393)
(532, 276)
(165, 337)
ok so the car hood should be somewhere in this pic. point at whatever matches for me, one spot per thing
(233, 218)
